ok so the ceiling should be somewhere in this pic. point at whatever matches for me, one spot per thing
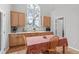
(46, 9)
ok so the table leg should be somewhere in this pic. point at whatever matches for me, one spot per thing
(63, 49)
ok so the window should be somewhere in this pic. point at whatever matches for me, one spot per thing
(33, 15)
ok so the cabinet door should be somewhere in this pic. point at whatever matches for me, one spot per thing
(14, 19)
(46, 21)
(20, 40)
(21, 19)
(13, 40)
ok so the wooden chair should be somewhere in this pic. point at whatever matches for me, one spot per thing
(53, 44)
(63, 45)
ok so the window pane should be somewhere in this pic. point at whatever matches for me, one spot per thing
(33, 14)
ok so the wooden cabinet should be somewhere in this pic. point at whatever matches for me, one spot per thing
(15, 40)
(19, 39)
(17, 19)
(14, 19)
(21, 19)
(46, 21)
(12, 40)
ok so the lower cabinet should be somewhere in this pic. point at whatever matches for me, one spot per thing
(15, 40)
(19, 39)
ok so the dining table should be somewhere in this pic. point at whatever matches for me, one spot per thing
(39, 44)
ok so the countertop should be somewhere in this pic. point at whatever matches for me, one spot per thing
(28, 32)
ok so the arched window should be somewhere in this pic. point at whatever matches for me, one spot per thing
(33, 15)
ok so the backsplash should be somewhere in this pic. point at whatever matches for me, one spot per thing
(30, 28)
(20, 29)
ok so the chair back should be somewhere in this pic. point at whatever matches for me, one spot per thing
(54, 42)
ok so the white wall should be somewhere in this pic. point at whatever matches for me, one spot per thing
(19, 7)
(71, 18)
(5, 26)
(45, 8)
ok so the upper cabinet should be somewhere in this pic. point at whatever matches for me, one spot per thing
(46, 21)
(17, 19)
(21, 21)
(14, 19)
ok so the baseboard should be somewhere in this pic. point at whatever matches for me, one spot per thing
(74, 48)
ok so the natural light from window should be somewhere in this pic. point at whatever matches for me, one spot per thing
(33, 15)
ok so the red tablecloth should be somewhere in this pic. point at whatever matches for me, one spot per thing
(37, 44)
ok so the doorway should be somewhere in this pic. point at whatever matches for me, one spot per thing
(59, 23)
